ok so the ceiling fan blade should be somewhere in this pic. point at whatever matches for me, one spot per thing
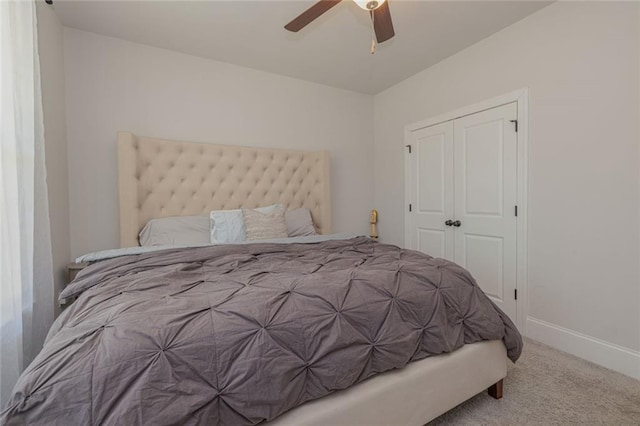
(382, 24)
(310, 15)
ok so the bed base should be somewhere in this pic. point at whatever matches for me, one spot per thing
(414, 395)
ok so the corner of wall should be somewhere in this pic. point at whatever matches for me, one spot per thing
(50, 47)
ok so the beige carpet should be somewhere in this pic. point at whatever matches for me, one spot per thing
(549, 387)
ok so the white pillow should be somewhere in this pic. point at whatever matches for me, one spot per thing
(227, 226)
(177, 230)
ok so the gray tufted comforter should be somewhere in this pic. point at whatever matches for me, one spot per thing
(240, 334)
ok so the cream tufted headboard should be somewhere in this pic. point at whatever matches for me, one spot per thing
(159, 178)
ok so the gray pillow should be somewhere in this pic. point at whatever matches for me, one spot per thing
(261, 226)
(299, 223)
(177, 230)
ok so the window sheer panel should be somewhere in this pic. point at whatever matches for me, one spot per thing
(22, 189)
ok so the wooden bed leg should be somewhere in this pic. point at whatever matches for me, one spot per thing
(495, 390)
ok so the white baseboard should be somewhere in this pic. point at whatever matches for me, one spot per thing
(606, 354)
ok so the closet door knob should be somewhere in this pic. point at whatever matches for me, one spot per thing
(449, 223)
(457, 223)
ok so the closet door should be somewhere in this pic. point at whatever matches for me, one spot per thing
(485, 151)
(430, 180)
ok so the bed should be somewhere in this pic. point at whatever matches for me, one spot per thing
(331, 331)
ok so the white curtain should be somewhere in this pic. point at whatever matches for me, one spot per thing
(26, 278)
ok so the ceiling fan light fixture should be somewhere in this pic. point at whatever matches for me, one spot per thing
(378, 10)
(369, 4)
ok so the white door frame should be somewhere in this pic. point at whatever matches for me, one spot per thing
(522, 98)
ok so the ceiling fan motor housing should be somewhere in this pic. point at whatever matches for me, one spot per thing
(372, 4)
(369, 4)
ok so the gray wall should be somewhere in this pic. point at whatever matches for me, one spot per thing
(580, 61)
(117, 85)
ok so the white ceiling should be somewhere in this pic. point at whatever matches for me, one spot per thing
(333, 50)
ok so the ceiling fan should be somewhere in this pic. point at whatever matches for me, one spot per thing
(378, 9)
